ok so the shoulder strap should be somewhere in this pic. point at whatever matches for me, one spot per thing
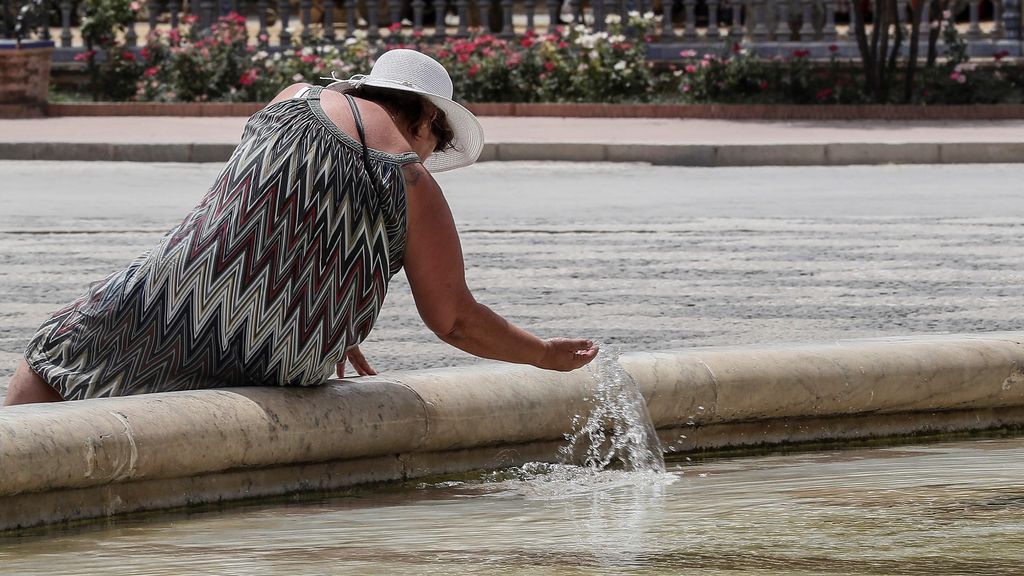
(362, 139)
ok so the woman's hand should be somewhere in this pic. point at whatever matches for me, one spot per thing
(565, 354)
(355, 356)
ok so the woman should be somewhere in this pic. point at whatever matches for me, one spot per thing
(278, 274)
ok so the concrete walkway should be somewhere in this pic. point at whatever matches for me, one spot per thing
(659, 141)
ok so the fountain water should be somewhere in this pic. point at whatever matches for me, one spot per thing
(618, 426)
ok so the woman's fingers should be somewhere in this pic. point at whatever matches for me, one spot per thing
(567, 354)
(340, 367)
(363, 368)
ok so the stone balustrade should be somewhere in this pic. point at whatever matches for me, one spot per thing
(769, 27)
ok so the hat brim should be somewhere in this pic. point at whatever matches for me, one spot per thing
(468, 140)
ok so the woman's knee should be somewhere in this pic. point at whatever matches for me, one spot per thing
(26, 387)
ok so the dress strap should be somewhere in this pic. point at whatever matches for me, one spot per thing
(362, 136)
(308, 93)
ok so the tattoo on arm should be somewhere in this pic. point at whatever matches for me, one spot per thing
(414, 173)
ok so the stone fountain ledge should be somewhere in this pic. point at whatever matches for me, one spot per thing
(99, 458)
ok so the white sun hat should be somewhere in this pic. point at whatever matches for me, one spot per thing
(413, 71)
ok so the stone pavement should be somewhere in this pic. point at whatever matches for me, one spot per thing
(642, 257)
(682, 142)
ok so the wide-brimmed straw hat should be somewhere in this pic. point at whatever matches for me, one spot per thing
(412, 71)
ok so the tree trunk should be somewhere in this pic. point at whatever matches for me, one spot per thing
(935, 13)
(882, 27)
(860, 31)
(915, 37)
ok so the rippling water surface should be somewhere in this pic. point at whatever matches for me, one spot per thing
(935, 509)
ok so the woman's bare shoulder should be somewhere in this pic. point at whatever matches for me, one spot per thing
(289, 92)
(381, 132)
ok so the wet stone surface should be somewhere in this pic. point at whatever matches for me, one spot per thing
(643, 257)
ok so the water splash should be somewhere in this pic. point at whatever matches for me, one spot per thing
(618, 426)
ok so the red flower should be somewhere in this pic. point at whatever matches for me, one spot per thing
(549, 66)
(823, 94)
(736, 47)
(1000, 55)
(395, 27)
(763, 84)
(526, 42)
(833, 48)
(442, 53)
(801, 53)
(248, 77)
(563, 44)
(473, 70)
(463, 58)
(126, 55)
(85, 56)
(151, 71)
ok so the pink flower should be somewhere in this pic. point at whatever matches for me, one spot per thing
(686, 87)
(833, 48)
(248, 77)
(473, 70)
(151, 71)
(526, 42)
(395, 27)
(549, 66)
(442, 53)
(135, 6)
(690, 68)
(688, 53)
(84, 56)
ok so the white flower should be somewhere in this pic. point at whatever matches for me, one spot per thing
(946, 14)
(620, 65)
(307, 51)
(594, 55)
(649, 15)
(277, 56)
(633, 13)
(297, 78)
(350, 41)
(359, 34)
(934, 25)
(613, 19)
(617, 39)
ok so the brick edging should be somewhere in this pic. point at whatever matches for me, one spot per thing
(696, 111)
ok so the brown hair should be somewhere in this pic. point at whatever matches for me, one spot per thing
(411, 110)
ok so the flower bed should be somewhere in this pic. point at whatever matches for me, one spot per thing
(575, 64)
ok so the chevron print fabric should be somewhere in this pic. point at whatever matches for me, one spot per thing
(282, 266)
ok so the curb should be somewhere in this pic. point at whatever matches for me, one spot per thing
(708, 155)
(592, 110)
(98, 458)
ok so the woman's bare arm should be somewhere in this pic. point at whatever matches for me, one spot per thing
(436, 273)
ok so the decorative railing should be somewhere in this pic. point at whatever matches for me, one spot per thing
(767, 26)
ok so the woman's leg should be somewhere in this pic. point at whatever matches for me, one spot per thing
(27, 387)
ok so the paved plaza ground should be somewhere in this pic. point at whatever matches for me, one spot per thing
(642, 257)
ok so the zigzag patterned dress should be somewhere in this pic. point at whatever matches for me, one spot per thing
(281, 267)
